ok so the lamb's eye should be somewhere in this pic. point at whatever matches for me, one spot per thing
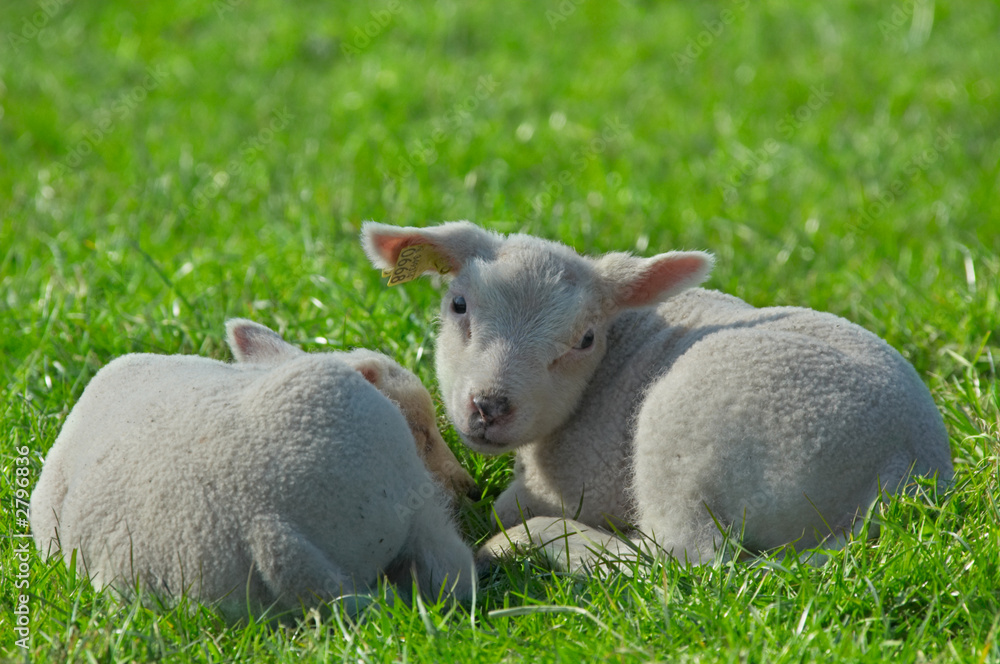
(458, 305)
(586, 341)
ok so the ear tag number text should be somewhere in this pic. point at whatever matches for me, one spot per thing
(414, 261)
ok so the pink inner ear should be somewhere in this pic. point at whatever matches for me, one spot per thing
(389, 246)
(665, 277)
(255, 343)
(243, 338)
(370, 373)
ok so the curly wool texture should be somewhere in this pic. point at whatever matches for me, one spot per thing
(283, 479)
(632, 397)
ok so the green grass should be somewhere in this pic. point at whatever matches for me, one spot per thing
(163, 169)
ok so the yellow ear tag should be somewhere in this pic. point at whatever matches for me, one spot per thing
(414, 261)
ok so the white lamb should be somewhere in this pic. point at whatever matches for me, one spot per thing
(284, 479)
(633, 398)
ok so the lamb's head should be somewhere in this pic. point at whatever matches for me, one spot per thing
(253, 343)
(524, 321)
(413, 399)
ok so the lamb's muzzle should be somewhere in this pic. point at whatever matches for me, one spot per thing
(488, 412)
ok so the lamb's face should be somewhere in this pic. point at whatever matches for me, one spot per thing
(521, 334)
(524, 321)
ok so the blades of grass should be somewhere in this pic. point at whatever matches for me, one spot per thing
(537, 609)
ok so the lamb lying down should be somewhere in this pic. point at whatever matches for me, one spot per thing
(284, 479)
(632, 397)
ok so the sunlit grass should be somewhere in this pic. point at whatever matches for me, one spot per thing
(163, 169)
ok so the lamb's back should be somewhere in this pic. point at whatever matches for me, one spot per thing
(644, 346)
(168, 458)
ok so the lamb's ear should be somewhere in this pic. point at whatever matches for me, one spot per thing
(369, 368)
(641, 282)
(253, 343)
(446, 247)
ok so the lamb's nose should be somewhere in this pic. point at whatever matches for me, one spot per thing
(490, 407)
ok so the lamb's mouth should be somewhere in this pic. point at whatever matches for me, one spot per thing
(481, 443)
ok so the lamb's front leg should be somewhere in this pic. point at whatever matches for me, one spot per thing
(514, 505)
(524, 499)
(569, 545)
(542, 487)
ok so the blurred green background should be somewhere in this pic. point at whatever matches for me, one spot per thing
(821, 152)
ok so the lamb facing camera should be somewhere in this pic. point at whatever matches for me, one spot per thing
(635, 398)
(281, 480)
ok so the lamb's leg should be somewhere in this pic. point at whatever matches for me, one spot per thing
(787, 453)
(568, 545)
(514, 505)
(694, 543)
(675, 469)
(435, 555)
(293, 569)
(47, 504)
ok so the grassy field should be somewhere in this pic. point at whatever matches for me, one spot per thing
(163, 169)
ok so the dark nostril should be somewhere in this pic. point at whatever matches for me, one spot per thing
(491, 408)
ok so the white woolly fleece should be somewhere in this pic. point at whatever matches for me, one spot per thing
(632, 397)
(281, 480)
